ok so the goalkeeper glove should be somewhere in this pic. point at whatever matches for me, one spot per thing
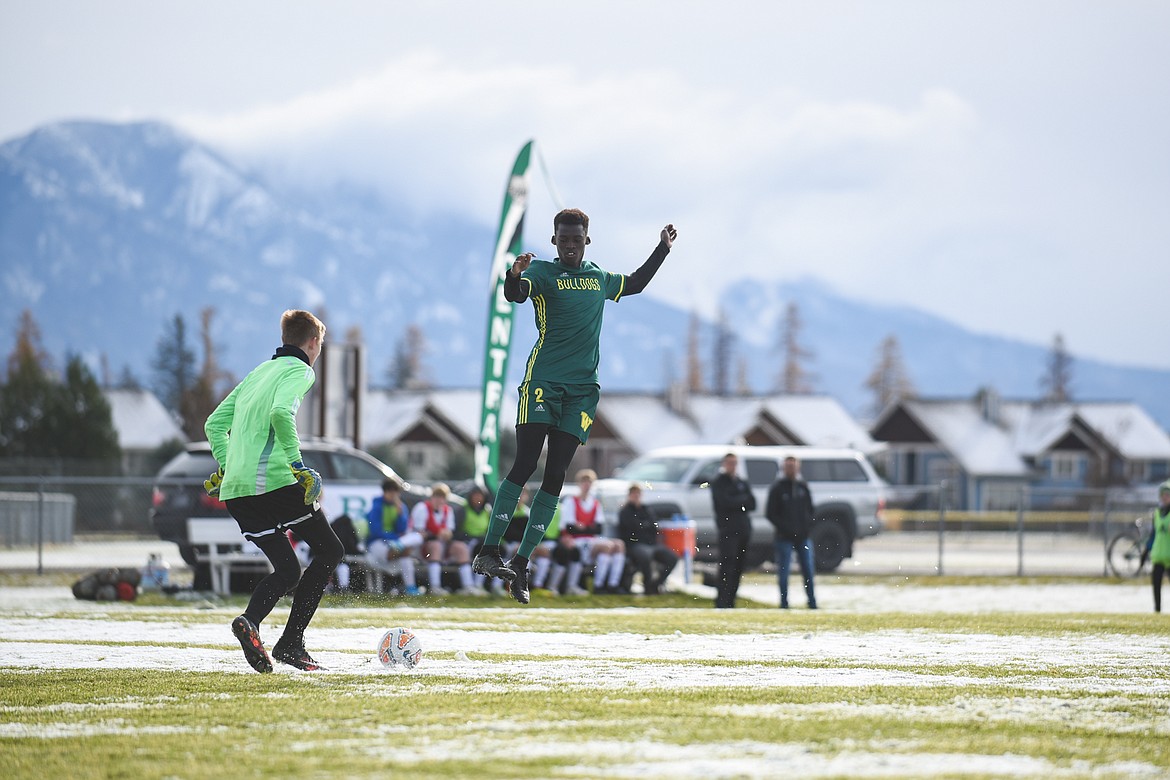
(212, 483)
(308, 479)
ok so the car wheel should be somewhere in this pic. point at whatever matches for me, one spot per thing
(830, 544)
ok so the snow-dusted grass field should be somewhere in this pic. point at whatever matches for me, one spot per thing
(890, 679)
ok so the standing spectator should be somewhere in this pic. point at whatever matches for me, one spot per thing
(638, 528)
(733, 500)
(583, 520)
(790, 510)
(391, 544)
(1158, 547)
(435, 520)
(268, 489)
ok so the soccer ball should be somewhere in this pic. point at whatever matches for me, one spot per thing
(400, 647)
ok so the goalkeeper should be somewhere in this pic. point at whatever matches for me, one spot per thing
(268, 489)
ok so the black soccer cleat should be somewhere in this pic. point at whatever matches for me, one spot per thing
(249, 635)
(518, 587)
(489, 562)
(295, 655)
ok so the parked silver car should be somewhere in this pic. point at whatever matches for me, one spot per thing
(848, 495)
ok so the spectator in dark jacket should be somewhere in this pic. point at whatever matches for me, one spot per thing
(790, 510)
(637, 527)
(733, 500)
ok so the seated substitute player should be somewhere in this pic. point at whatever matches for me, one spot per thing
(477, 514)
(435, 520)
(638, 527)
(268, 489)
(391, 544)
(559, 392)
(583, 520)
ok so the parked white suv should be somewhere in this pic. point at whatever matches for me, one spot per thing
(848, 496)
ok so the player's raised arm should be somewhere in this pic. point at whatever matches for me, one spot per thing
(515, 290)
(637, 281)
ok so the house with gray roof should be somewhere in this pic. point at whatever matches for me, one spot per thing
(425, 426)
(143, 425)
(987, 448)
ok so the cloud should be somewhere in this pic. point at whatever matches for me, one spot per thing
(923, 200)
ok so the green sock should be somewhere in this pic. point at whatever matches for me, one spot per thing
(503, 508)
(544, 506)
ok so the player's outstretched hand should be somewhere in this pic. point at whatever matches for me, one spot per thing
(308, 479)
(212, 483)
(669, 234)
(521, 263)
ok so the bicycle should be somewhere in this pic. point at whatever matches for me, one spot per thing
(1126, 548)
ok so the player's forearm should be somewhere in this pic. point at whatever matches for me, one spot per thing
(514, 288)
(637, 281)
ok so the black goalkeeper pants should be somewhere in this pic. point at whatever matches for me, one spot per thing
(307, 588)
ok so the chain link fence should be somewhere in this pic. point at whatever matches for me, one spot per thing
(1029, 532)
(77, 524)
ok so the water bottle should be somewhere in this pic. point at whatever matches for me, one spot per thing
(156, 574)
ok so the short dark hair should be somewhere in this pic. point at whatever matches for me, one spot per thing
(571, 217)
(391, 484)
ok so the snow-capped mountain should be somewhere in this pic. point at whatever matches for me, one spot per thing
(108, 231)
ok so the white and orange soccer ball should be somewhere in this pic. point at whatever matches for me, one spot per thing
(400, 647)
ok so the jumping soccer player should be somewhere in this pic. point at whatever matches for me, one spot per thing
(268, 489)
(559, 393)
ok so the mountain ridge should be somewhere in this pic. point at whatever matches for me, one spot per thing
(108, 230)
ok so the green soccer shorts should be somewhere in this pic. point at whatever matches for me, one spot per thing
(568, 408)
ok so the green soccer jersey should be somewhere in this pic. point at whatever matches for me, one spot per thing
(569, 303)
(253, 432)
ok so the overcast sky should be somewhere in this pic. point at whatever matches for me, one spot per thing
(1003, 164)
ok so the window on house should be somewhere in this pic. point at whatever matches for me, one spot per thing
(1065, 466)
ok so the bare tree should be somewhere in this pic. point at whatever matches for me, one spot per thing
(694, 362)
(743, 386)
(209, 387)
(1056, 383)
(889, 379)
(723, 354)
(407, 369)
(794, 377)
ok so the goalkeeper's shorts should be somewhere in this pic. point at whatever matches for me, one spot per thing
(272, 513)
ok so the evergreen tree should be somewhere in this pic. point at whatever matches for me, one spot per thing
(174, 366)
(26, 403)
(41, 417)
(1056, 383)
(82, 425)
(794, 377)
(889, 380)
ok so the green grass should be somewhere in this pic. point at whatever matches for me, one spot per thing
(154, 724)
(144, 723)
